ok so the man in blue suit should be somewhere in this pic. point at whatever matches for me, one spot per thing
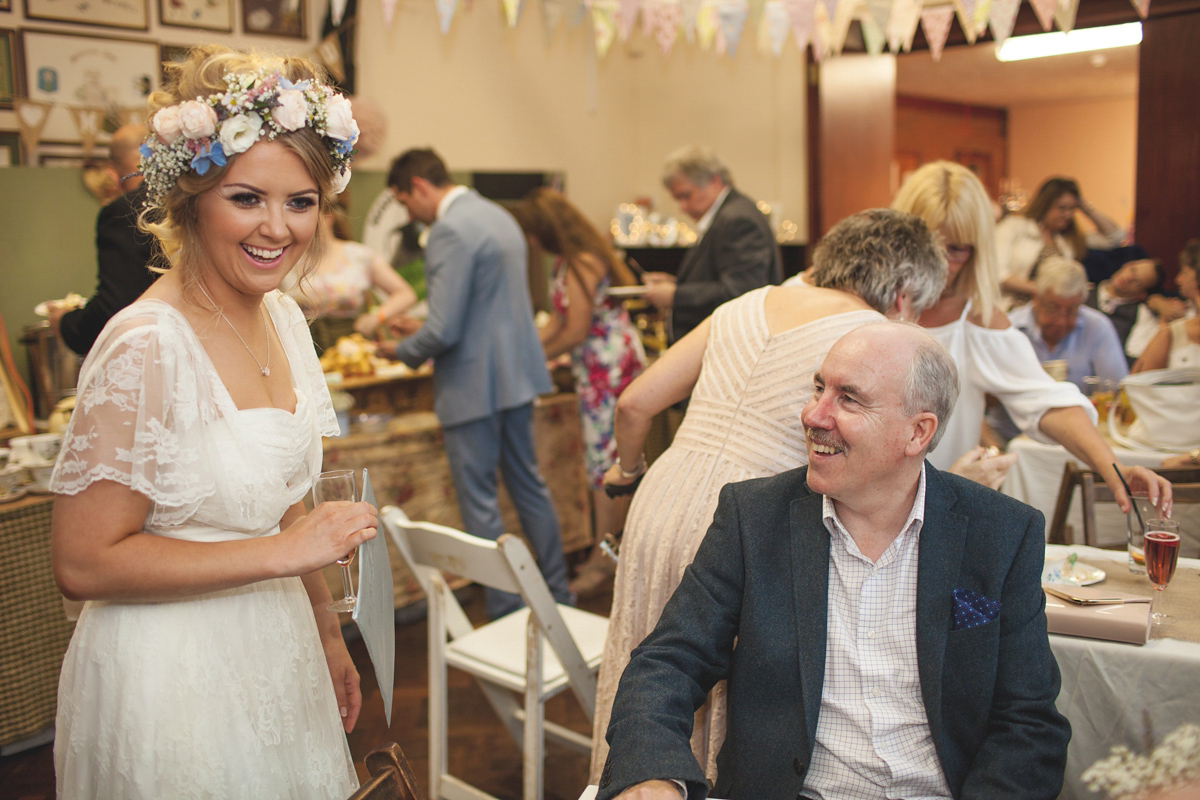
(880, 624)
(488, 364)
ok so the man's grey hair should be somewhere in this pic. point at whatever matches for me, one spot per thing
(697, 164)
(878, 254)
(1061, 276)
(932, 383)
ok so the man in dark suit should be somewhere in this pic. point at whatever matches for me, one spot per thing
(888, 618)
(123, 252)
(488, 363)
(736, 253)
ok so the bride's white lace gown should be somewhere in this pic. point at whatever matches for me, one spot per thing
(225, 694)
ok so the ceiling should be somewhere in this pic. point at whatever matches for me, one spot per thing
(971, 74)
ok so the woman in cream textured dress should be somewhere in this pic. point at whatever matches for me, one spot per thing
(205, 663)
(749, 371)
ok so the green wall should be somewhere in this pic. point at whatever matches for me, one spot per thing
(48, 240)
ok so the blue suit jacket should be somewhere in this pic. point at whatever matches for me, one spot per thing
(480, 332)
(761, 577)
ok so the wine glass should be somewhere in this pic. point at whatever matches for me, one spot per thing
(339, 484)
(1162, 552)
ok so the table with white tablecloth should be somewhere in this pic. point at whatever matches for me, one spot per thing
(1036, 476)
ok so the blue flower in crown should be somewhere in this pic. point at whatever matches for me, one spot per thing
(212, 153)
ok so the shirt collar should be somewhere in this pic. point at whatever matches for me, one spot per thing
(916, 514)
(705, 222)
(449, 198)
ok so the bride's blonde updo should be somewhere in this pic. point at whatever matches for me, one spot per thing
(216, 104)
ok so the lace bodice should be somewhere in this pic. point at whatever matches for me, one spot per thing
(152, 413)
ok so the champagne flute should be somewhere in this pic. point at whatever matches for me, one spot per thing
(1162, 552)
(339, 484)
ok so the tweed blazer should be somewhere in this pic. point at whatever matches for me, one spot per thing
(760, 579)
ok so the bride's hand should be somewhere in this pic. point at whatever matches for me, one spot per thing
(983, 466)
(329, 532)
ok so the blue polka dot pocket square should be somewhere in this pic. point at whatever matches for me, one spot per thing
(972, 609)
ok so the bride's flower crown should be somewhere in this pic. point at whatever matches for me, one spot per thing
(197, 134)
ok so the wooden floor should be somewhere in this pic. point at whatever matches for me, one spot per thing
(481, 750)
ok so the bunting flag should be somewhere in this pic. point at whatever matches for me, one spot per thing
(578, 13)
(337, 10)
(604, 24)
(1044, 9)
(983, 8)
(878, 11)
(707, 24)
(87, 123)
(665, 16)
(965, 9)
(902, 24)
(445, 11)
(732, 15)
(552, 14)
(822, 32)
(648, 17)
(1142, 6)
(389, 11)
(31, 118)
(800, 12)
(936, 24)
(512, 11)
(627, 18)
(873, 37)
(773, 27)
(1064, 15)
(1002, 17)
(691, 10)
(831, 9)
(329, 53)
(841, 26)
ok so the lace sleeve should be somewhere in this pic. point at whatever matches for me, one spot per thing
(138, 416)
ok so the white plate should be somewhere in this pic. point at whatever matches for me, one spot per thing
(72, 301)
(626, 291)
(1081, 574)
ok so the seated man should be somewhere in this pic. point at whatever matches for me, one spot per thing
(888, 618)
(1131, 299)
(1061, 328)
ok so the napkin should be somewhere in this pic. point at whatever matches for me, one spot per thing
(1124, 622)
(375, 611)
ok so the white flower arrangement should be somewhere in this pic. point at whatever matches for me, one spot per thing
(196, 134)
(1124, 774)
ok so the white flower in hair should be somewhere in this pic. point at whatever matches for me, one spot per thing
(292, 111)
(339, 119)
(341, 181)
(238, 133)
(197, 120)
(166, 124)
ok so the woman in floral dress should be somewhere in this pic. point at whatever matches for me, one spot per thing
(606, 352)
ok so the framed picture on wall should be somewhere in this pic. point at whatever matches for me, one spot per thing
(8, 67)
(109, 13)
(211, 15)
(10, 149)
(5, 5)
(78, 74)
(275, 18)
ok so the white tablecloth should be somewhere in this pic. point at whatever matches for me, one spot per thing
(1117, 693)
(1036, 476)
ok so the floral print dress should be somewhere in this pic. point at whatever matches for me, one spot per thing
(603, 365)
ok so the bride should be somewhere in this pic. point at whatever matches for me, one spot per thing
(205, 662)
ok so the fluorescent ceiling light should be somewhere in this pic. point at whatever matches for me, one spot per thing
(1019, 48)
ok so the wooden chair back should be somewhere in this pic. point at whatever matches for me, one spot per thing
(1185, 488)
(391, 777)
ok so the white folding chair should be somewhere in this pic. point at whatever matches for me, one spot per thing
(505, 655)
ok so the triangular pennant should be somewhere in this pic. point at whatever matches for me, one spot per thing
(773, 27)
(936, 24)
(841, 26)
(512, 11)
(578, 13)
(31, 118)
(822, 33)
(1044, 9)
(552, 14)
(873, 37)
(337, 10)
(87, 123)
(649, 16)
(965, 9)
(691, 10)
(666, 29)
(389, 11)
(445, 11)
(604, 24)
(831, 9)
(707, 24)
(627, 18)
(902, 24)
(732, 14)
(879, 11)
(1142, 6)
(1002, 17)
(329, 53)
(1064, 15)
(982, 9)
(800, 14)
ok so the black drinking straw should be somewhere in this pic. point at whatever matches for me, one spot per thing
(1132, 501)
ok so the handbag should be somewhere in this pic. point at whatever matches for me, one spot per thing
(1167, 405)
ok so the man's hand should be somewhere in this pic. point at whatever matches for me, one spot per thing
(651, 790)
(1168, 309)
(987, 466)
(54, 314)
(403, 325)
(660, 289)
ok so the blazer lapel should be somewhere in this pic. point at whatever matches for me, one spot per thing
(810, 598)
(939, 561)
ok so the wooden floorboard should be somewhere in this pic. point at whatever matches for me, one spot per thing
(481, 750)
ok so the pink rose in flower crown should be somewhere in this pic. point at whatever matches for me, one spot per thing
(292, 111)
(339, 119)
(166, 124)
(197, 120)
